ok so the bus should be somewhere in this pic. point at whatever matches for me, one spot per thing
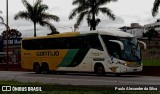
(97, 52)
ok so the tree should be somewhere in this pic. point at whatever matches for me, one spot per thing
(53, 32)
(13, 33)
(36, 13)
(90, 9)
(155, 7)
(151, 33)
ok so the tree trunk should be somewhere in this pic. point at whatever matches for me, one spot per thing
(35, 29)
(93, 21)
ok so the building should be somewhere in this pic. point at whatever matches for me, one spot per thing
(155, 25)
(135, 29)
(14, 54)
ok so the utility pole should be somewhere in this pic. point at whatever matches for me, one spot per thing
(7, 34)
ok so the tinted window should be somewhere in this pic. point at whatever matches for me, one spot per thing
(113, 48)
(80, 42)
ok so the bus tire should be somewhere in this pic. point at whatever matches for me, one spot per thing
(99, 70)
(45, 68)
(37, 68)
(62, 72)
(118, 74)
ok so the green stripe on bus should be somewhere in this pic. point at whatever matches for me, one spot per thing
(79, 57)
(68, 58)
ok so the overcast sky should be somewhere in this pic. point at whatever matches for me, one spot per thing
(126, 11)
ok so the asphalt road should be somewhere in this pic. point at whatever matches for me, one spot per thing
(80, 79)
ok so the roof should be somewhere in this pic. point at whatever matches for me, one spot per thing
(117, 33)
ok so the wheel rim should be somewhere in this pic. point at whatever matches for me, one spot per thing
(100, 70)
(37, 69)
(45, 69)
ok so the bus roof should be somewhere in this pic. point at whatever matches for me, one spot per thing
(117, 33)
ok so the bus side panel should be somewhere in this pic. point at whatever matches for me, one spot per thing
(93, 56)
(26, 60)
(40, 56)
(73, 59)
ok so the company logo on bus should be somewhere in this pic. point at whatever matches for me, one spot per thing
(47, 53)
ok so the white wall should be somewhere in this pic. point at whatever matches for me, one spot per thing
(137, 32)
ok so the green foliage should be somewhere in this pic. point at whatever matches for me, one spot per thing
(13, 33)
(36, 13)
(89, 9)
(151, 33)
(151, 62)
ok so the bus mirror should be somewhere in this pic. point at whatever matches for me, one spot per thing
(143, 43)
(118, 42)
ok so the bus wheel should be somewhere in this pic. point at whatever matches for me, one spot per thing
(45, 68)
(99, 70)
(118, 74)
(37, 69)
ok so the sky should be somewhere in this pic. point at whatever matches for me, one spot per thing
(126, 12)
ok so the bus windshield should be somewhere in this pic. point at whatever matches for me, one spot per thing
(131, 50)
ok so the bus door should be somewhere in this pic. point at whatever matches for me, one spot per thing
(114, 51)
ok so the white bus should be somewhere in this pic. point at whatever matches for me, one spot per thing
(98, 52)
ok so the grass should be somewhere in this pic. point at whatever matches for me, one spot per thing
(69, 89)
(151, 62)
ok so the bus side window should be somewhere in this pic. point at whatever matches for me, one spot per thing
(94, 42)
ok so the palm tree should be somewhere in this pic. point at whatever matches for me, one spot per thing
(36, 13)
(155, 7)
(90, 9)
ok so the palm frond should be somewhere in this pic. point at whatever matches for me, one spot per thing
(38, 2)
(107, 11)
(22, 14)
(51, 26)
(2, 20)
(47, 16)
(80, 18)
(73, 13)
(40, 11)
(155, 7)
(42, 8)
(78, 2)
(28, 6)
(36, 7)
(78, 10)
(103, 2)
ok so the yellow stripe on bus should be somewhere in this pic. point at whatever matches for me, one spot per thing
(52, 57)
